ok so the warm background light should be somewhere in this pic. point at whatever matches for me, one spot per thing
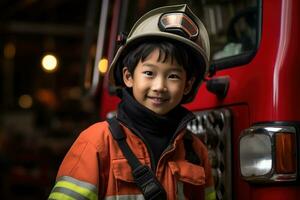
(25, 101)
(9, 50)
(49, 63)
(103, 65)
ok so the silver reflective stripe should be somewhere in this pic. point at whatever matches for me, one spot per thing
(86, 185)
(126, 197)
(69, 192)
(180, 193)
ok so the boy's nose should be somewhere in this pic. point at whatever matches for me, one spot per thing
(159, 85)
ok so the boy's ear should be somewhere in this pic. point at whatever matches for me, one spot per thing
(127, 77)
(189, 85)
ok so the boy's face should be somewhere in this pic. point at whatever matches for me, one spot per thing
(156, 85)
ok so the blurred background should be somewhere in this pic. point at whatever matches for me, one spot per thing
(44, 46)
(50, 87)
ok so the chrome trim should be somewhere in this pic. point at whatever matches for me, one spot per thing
(179, 24)
(111, 114)
(100, 45)
(271, 131)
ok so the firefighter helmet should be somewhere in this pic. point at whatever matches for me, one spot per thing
(173, 23)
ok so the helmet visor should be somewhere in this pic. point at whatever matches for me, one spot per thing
(180, 24)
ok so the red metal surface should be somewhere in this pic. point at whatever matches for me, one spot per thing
(268, 85)
(239, 187)
(276, 192)
(286, 75)
(109, 102)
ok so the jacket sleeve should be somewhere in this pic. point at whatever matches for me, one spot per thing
(78, 175)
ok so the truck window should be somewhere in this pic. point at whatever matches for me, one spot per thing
(233, 26)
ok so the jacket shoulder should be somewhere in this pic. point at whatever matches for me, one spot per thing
(82, 156)
(95, 134)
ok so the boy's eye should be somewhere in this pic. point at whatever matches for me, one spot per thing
(174, 76)
(148, 73)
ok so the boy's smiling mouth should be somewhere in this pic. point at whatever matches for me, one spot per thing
(157, 100)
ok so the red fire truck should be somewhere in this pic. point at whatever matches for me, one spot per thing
(247, 110)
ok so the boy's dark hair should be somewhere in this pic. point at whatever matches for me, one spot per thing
(167, 50)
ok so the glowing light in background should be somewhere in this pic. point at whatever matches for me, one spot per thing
(9, 50)
(103, 65)
(49, 63)
(25, 101)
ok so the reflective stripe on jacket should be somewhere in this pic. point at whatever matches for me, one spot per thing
(95, 168)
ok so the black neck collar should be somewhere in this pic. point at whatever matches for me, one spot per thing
(140, 118)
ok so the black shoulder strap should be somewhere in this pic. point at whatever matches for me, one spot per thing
(142, 174)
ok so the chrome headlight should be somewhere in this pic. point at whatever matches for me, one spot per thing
(268, 153)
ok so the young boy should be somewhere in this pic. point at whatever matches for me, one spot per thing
(145, 152)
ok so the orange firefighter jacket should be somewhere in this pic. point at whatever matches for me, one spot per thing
(95, 168)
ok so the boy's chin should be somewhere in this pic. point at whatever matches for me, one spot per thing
(159, 111)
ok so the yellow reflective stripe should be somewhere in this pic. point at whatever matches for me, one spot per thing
(210, 193)
(69, 192)
(83, 191)
(56, 195)
(82, 184)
